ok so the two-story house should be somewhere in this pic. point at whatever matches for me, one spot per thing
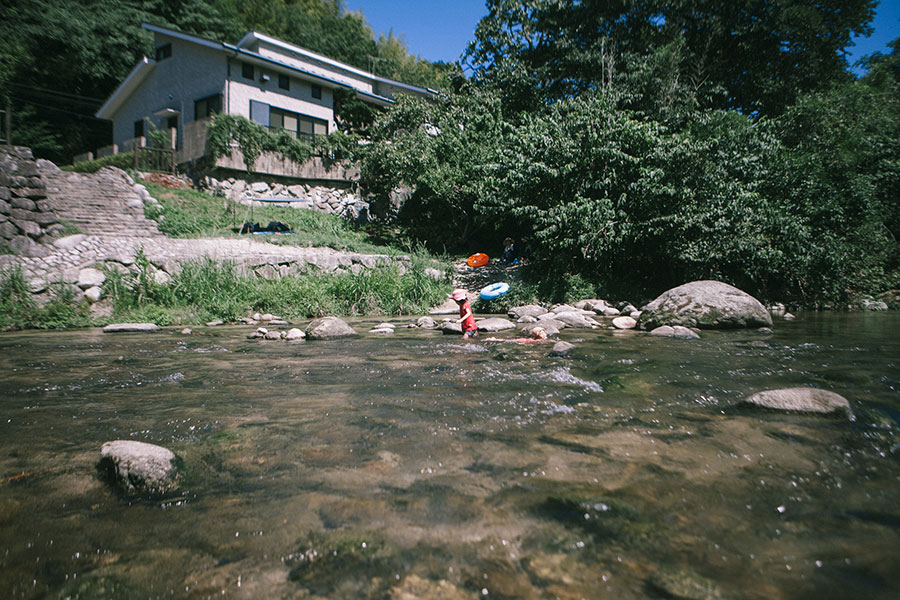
(271, 82)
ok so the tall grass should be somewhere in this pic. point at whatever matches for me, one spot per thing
(18, 310)
(206, 290)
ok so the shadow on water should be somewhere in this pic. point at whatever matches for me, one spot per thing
(421, 466)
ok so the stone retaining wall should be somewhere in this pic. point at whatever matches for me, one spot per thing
(27, 220)
(334, 199)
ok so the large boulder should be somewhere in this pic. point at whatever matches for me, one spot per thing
(138, 467)
(706, 305)
(327, 328)
(494, 324)
(800, 399)
(529, 310)
(574, 319)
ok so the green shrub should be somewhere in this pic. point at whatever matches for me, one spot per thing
(123, 161)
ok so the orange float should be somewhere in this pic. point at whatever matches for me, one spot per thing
(478, 259)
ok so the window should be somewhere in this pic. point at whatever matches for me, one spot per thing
(172, 122)
(247, 70)
(296, 124)
(163, 52)
(139, 128)
(284, 82)
(205, 107)
(317, 92)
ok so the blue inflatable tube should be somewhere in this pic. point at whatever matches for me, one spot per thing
(495, 290)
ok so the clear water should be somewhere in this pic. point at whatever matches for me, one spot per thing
(422, 466)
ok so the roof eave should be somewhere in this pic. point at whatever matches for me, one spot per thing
(125, 89)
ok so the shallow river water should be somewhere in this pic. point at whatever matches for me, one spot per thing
(423, 466)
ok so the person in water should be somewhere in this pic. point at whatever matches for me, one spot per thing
(538, 334)
(469, 328)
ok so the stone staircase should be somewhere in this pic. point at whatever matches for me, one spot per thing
(104, 203)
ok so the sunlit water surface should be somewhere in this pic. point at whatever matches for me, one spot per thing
(423, 466)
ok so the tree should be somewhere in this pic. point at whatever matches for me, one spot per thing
(755, 56)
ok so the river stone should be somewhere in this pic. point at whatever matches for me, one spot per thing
(707, 305)
(138, 467)
(327, 328)
(495, 324)
(800, 399)
(382, 330)
(294, 334)
(684, 585)
(561, 308)
(562, 349)
(611, 311)
(273, 335)
(214, 323)
(624, 323)
(598, 306)
(574, 319)
(130, 327)
(451, 328)
(677, 332)
(426, 323)
(90, 277)
(528, 310)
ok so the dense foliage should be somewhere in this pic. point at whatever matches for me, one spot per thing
(591, 134)
(60, 59)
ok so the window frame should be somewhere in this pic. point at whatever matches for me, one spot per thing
(247, 68)
(162, 52)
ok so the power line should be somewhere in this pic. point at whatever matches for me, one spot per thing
(84, 99)
(68, 112)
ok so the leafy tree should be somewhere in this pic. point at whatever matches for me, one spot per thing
(755, 56)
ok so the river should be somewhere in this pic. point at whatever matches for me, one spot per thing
(422, 466)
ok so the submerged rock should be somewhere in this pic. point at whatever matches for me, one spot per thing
(328, 328)
(800, 399)
(130, 327)
(574, 319)
(451, 328)
(138, 467)
(550, 326)
(707, 305)
(562, 349)
(683, 585)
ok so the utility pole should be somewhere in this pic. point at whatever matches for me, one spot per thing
(7, 122)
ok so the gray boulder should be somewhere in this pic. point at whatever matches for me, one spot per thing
(451, 328)
(624, 323)
(562, 349)
(574, 319)
(677, 332)
(598, 306)
(130, 327)
(138, 467)
(328, 328)
(706, 305)
(294, 334)
(800, 399)
(90, 277)
(528, 310)
(426, 323)
(494, 324)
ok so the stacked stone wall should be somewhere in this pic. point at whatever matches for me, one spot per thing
(27, 220)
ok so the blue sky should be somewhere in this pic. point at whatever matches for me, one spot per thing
(440, 30)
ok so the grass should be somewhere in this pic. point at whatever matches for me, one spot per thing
(186, 213)
(207, 290)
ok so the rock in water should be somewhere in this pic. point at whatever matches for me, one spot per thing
(624, 323)
(562, 349)
(327, 328)
(800, 399)
(707, 305)
(130, 327)
(495, 324)
(138, 467)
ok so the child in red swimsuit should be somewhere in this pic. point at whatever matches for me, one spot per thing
(469, 328)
